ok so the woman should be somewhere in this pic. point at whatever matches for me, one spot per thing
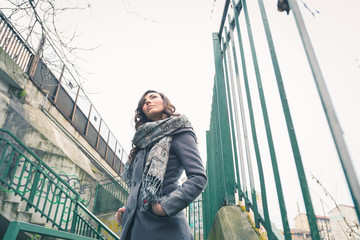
(164, 146)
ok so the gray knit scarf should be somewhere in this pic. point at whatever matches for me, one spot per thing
(159, 135)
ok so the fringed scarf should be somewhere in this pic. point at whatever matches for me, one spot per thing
(158, 134)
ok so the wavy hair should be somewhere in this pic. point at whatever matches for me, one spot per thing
(140, 118)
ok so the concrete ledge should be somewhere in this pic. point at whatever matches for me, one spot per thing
(232, 223)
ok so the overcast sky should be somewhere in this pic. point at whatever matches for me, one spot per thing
(166, 45)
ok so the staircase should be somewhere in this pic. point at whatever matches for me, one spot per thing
(43, 194)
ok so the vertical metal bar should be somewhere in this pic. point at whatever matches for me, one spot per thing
(88, 121)
(15, 169)
(238, 185)
(81, 227)
(7, 41)
(290, 128)
(217, 172)
(68, 217)
(59, 84)
(206, 194)
(244, 126)
(329, 109)
(217, 169)
(21, 55)
(41, 190)
(95, 210)
(198, 208)
(63, 210)
(25, 59)
(4, 37)
(227, 3)
(98, 136)
(74, 219)
(75, 104)
(34, 186)
(21, 176)
(268, 129)
(252, 123)
(113, 163)
(226, 151)
(26, 62)
(194, 219)
(52, 200)
(12, 46)
(46, 197)
(107, 145)
(3, 24)
(11, 156)
(189, 214)
(16, 52)
(121, 160)
(12, 231)
(28, 178)
(111, 196)
(237, 119)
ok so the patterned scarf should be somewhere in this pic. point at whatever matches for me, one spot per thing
(158, 134)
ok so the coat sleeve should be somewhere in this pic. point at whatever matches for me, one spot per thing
(187, 152)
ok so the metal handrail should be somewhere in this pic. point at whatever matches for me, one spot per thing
(29, 177)
(15, 227)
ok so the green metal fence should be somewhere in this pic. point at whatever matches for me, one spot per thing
(195, 218)
(110, 194)
(229, 160)
(23, 172)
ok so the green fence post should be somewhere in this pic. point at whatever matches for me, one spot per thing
(225, 139)
(238, 185)
(12, 231)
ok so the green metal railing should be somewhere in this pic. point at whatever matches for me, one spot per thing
(228, 139)
(110, 194)
(195, 219)
(16, 227)
(23, 172)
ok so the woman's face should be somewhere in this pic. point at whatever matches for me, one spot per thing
(153, 106)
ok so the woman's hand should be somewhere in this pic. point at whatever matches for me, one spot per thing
(118, 215)
(157, 209)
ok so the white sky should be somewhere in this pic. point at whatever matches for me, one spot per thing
(167, 46)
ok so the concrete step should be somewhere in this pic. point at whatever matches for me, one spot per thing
(14, 209)
(10, 211)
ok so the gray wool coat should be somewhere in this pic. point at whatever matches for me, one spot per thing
(184, 155)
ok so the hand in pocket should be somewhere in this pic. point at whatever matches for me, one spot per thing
(118, 215)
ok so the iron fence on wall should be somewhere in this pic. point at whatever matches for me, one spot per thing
(12, 43)
(60, 86)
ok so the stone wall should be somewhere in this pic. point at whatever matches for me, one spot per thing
(25, 112)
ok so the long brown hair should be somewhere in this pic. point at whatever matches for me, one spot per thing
(140, 118)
